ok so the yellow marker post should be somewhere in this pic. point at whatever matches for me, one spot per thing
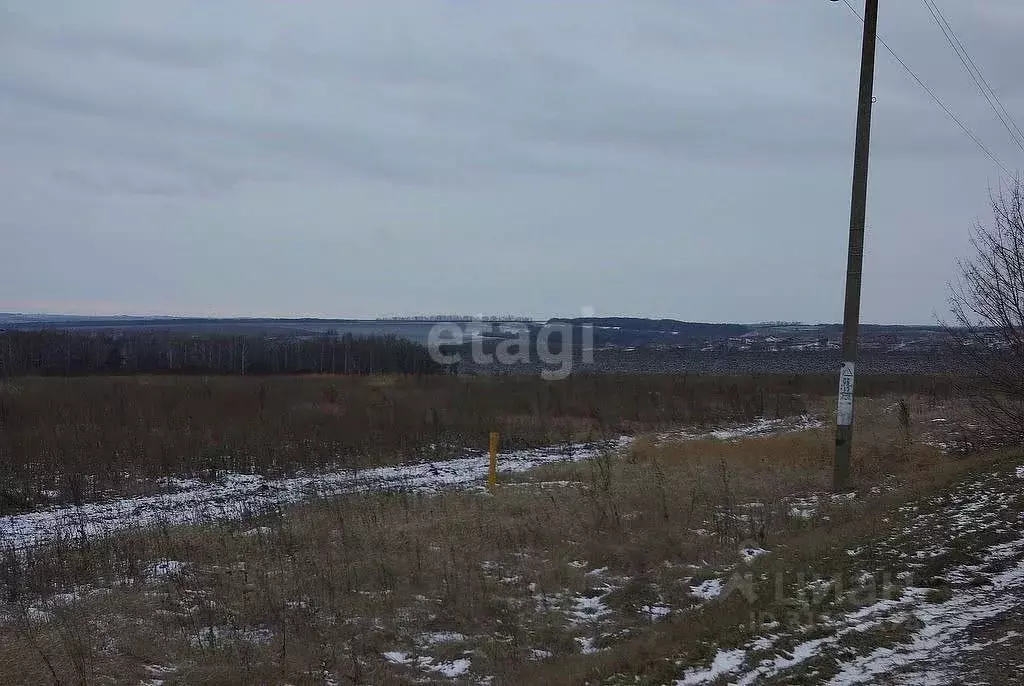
(492, 474)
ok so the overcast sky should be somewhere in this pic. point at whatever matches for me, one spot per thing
(679, 158)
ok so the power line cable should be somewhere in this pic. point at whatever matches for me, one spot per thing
(938, 101)
(991, 90)
(974, 71)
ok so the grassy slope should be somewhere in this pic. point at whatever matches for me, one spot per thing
(573, 573)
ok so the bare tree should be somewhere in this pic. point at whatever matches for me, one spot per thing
(988, 311)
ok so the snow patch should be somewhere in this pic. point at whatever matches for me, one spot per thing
(435, 637)
(587, 608)
(452, 669)
(751, 554)
(706, 590)
(725, 662)
(656, 611)
(163, 569)
(759, 427)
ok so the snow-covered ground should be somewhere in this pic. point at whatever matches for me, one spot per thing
(926, 627)
(233, 496)
(761, 427)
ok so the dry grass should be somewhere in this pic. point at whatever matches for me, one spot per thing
(78, 439)
(318, 593)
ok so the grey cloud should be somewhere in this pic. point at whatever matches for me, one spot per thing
(656, 157)
(253, 146)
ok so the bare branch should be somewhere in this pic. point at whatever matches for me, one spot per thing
(987, 304)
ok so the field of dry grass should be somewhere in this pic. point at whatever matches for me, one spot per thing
(74, 440)
(570, 573)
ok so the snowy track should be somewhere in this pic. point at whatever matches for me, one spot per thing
(234, 496)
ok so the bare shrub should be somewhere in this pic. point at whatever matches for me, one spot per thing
(988, 311)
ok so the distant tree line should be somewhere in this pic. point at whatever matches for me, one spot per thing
(81, 353)
(511, 318)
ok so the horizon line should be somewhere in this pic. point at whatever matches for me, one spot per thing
(435, 318)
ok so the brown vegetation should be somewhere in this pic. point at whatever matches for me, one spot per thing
(319, 593)
(83, 438)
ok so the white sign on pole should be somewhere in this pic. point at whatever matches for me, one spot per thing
(844, 412)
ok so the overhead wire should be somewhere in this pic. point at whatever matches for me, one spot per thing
(974, 71)
(938, 101)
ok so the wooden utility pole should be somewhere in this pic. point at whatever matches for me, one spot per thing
(855, 256)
